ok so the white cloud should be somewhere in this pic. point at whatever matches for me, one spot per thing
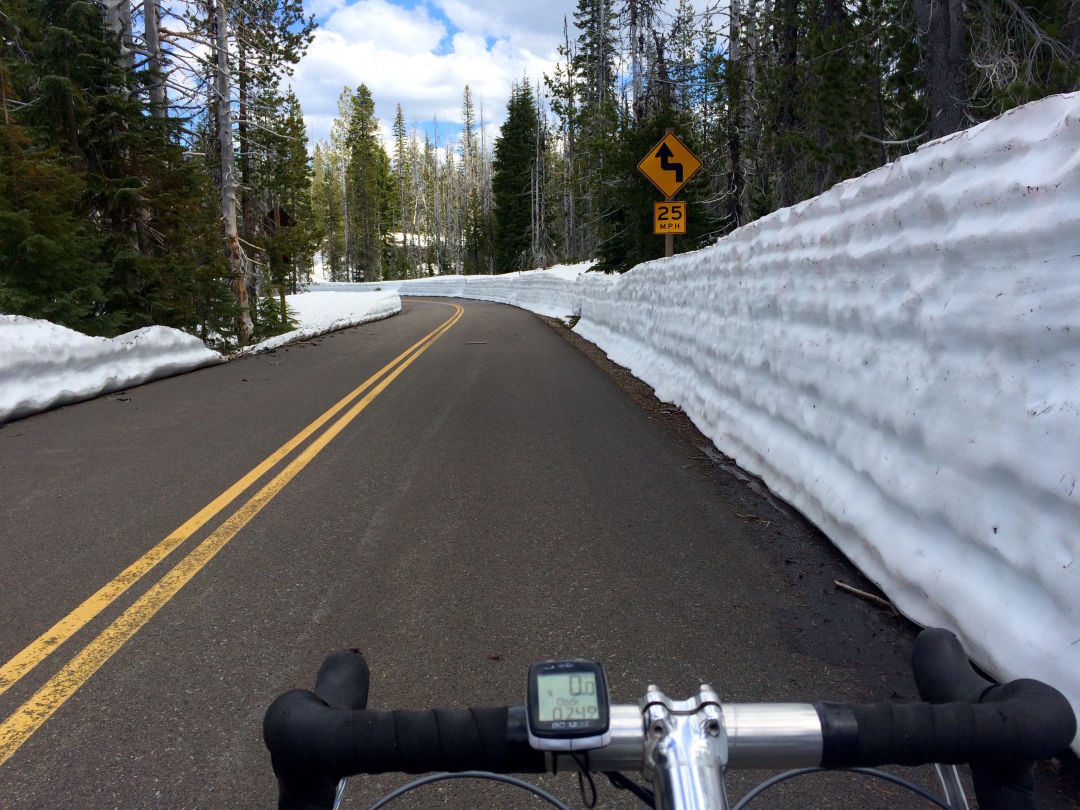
(389, 27)
(422, 57)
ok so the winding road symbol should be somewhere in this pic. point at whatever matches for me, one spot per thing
(666, 163)
(669, 165)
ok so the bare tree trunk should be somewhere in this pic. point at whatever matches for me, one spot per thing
(485, 192)
(788, 55)
(247, 229)
(281, 258)
(151, 16)
(942, 26)
(736, 85)
(111, 11)
(3, 94)
(569, 215)
(879, 101)
(1072, 40)
(345, 217)
(637, 70)
(537, 213)
(750, 60)
(117, 15)
(435, 204)
(237, 264)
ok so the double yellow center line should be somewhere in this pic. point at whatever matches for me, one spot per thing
(29, 717)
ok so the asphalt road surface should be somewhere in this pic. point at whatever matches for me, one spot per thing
(497, 499)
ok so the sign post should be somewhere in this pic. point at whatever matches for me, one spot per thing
(669, 166)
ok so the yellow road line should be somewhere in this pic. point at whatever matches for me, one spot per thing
(39, 649)
(29, 717)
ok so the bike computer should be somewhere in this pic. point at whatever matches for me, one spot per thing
(567, 706)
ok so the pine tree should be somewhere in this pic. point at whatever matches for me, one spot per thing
(403, 260)
(291, 232)
(595, 19)
(684, 69)
(271, 36)
(49, 265)
(515, 152)
(597, 112)
(141, 202)
(370, 195)
(476, 224)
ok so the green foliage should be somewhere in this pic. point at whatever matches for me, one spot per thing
(515, 152)
(273, 314)
(1022, 52)
(594, 62)
(46, 249)
(370, 188)
(327, 201)
(353, 192)
(140, 244)
(289, 232)
(479, 237)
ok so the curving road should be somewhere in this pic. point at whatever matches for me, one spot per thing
(490, 501)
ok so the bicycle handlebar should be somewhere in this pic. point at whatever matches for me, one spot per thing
(1031, 721)
(943, 675)
(317, 738)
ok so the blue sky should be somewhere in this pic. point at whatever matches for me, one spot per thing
(421, 54)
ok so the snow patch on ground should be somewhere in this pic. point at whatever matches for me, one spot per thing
(43, 365)
(552, 292)
(327, 307)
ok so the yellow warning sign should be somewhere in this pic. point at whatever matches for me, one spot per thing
(669, 217)
(669, 165)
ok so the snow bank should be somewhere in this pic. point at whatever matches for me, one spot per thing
(898, 359)
(44, 365)
(325, 309)
(550, 292)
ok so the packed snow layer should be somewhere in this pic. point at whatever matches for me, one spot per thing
(327, 307)
(550, 292)
(43, 365)
(898, 359)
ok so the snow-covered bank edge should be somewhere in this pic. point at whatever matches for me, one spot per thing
(897, 358)
(47, 366)
(317, 318)
(44, 366)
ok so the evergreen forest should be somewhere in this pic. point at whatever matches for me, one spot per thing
(155, 168)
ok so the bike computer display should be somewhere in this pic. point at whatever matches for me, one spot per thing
(567, 706)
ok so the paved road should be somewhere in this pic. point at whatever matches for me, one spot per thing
(501, 500)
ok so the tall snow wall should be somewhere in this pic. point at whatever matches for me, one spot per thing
(898, 359)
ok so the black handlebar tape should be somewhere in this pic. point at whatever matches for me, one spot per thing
(942, 671)
(1031, 721)
(943, 675)
(343, 680)
(313, 745)
(342, 683)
